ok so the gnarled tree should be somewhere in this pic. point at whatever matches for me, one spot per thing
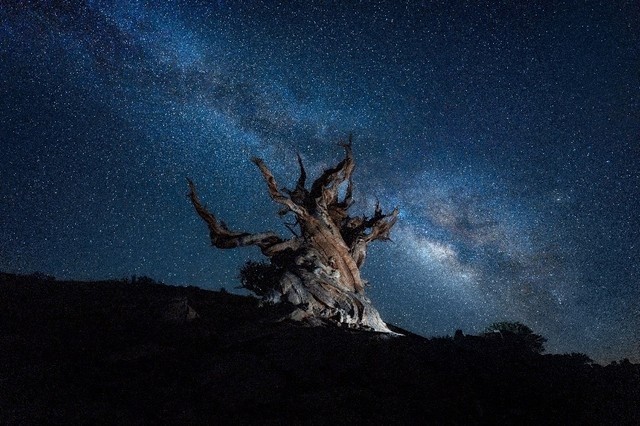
(322, 262)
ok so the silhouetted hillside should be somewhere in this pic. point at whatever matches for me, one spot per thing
(139, 352)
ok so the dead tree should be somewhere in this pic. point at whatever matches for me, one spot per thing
(322, 262)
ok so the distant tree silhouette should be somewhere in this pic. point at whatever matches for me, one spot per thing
(143, 280)
(578, 358)
(40, 276)
(516, 335)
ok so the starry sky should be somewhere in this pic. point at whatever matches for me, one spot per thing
(508, 134)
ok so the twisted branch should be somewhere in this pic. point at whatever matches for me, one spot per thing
(224, 238)
(325, 189)
(275, 193)
(320, 202)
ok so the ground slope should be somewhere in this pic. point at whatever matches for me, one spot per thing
(122, 352)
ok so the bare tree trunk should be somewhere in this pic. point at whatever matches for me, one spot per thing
(322, 263)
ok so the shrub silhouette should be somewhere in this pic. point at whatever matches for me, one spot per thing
(515, 335)
(260, 278)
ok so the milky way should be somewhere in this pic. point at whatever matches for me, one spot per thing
(508, 135)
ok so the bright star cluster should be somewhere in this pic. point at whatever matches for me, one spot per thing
(507, 134)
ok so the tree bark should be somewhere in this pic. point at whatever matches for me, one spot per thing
(322, 262)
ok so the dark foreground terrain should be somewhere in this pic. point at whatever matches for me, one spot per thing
(138, 352)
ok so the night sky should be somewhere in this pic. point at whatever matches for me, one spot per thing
(508, 133)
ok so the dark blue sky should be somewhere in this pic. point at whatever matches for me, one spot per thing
(508, 135)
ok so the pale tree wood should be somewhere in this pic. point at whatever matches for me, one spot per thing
(322, 261)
